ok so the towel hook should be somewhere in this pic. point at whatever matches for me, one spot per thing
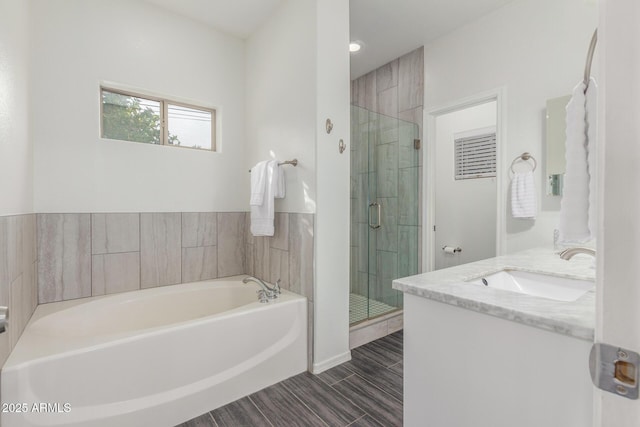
(524, 157)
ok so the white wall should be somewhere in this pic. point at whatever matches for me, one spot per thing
(331, 291)
(16, 153)
(537, 50)
(465, 210)
(76, 46)
(297, 77)
(281, 99)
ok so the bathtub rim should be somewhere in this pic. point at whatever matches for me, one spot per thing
(21, 357)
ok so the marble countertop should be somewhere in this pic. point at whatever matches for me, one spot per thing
(575, 319)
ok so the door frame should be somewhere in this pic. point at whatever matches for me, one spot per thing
(618, 148)
(499, 95)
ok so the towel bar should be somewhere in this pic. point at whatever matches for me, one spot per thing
(587, 66)
(293, 162)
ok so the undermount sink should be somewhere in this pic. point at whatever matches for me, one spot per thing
(537, 285)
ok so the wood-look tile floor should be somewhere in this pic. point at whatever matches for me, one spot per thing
(366, 391)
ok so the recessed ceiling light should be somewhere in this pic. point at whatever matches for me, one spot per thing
(354, 46)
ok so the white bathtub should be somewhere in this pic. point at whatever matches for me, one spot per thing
(153, 357)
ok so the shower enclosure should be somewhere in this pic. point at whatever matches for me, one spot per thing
(385, 225)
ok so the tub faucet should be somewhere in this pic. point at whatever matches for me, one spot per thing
(569, 253)
(270, 292)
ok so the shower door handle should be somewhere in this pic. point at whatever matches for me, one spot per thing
(378, 223)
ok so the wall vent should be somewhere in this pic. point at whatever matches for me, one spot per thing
(475, 156)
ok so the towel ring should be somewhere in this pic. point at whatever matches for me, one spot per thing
(524, 157)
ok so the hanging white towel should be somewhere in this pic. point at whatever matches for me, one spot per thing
(574, 207)
(258, 183)
(523, 196)
(592, 135)
(262, 215)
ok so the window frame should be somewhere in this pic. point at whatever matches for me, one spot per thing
(164, 116)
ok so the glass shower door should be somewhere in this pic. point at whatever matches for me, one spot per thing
(385, 224)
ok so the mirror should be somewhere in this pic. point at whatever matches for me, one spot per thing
(556, 136)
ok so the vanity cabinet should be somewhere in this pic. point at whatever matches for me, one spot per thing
(480, 356)
(463, 368)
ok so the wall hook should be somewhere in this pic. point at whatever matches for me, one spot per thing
(342, 146)
(329, 126)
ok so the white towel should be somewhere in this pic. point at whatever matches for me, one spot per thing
(523, 196)
(258, 183)
(592, 135)
(262, 215)
(574, 207)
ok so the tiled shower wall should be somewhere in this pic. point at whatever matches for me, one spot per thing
(395, 91)
(82, 255)
(18, 289)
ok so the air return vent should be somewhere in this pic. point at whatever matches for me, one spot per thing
(475, 156)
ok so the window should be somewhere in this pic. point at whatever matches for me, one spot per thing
(475, 155)
(139, 118)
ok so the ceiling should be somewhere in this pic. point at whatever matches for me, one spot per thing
(239, 18)
(390, 29)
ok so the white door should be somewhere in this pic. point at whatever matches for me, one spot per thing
(618, 281)
(465, 209)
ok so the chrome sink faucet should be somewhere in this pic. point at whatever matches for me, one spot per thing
(569, 253)
(267, 292)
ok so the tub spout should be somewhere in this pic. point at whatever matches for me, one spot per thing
(271, 292)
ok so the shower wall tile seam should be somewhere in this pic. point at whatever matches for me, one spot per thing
(115, 253)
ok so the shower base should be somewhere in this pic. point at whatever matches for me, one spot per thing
(362, 308)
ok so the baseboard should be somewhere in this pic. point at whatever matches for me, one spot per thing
(330, 363)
